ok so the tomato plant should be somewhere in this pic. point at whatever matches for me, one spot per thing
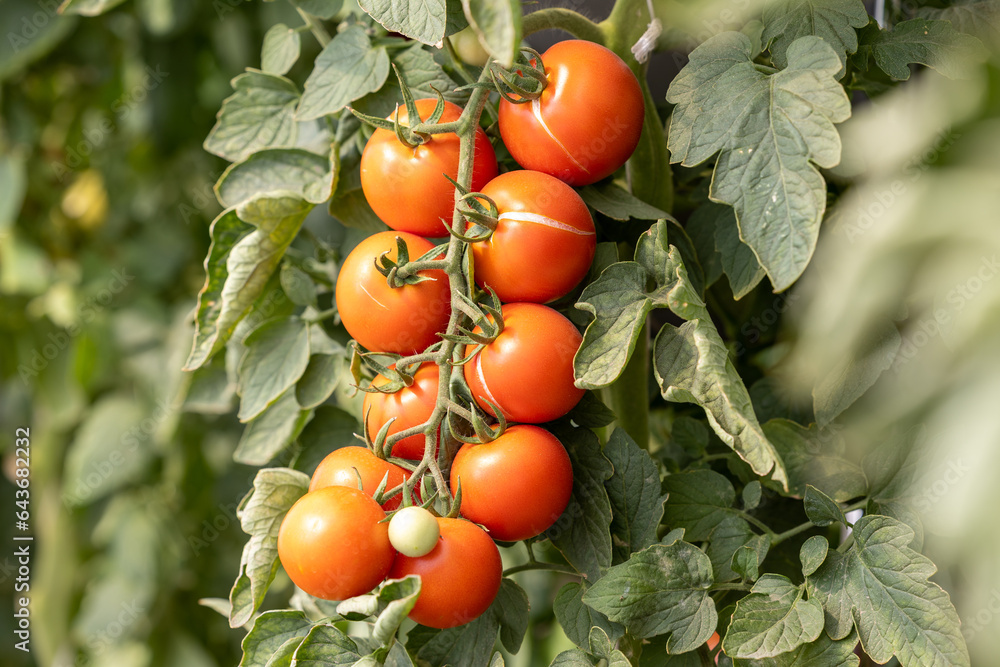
(515, 486)
(350, 465)
(586, 122)
(460, 576)
(413, 531)
(527, 371)
(333, 545)
(409, 407)
(406, 185)
(407, 318)
(544, 239)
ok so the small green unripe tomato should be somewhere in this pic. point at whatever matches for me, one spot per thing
(413, 531)
(469, 48)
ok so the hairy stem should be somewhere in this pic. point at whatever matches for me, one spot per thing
(557, 18)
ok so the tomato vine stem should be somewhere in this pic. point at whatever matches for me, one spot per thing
(559, 18)
(315, 27)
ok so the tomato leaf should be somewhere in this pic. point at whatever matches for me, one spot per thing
(577, 619)
(821, 509)
(882, 587)
(618, 203)
(257, 115)
(274, 633)
(692, 365)
(591, 412)
(280, 49)
(238, 266)
(346, 69)
(397, 598)
(770, 131)
(815, 456)
(660, 590)
(274, 491)
(979, 19)
(936, 44)
(326, 646)
(738, 262)
(582, 533)
(319, 380)
(273, 430)
(278, 170)
(426, 21)
(634, 491)
(277, 355)
(774, 619)
(422, 74)
(324, 9)
(701, 228)
(732, 534)
(698, 501)
(349, 205)
(746, 560)
(813, 553)
(824, 652)
(497, 24)
(833, 20)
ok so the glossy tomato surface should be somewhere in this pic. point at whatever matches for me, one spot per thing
(528, 370)
(587, 121)
(459, 578)
(410, 406)
(517, 485)
(406, 186)
(332, 545)
(544, 242)
(402, 319)
(338, 469)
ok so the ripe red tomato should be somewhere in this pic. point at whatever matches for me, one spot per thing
(528, 370)
(459, 578)
(517, 485)
(406, 186)
(544, 242)
(332, 545)
(337, 469)
(587, 121)
(411, 406)
(403, 319)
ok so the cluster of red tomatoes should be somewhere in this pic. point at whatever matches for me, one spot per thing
(334, 542)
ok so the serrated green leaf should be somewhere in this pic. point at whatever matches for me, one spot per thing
(692, 365)
(833, 20)
(815, 456)
(318, 382)
(732, 534)
(497, 24)
(662, 590)
(276, 357)
(775, 618)
(272, 431)
(979, 19)
(422, 20)
(422, 74)
(277, 170)
(771, 130)
(238, 266)
(256, 116)
(746, 560)
(604, 649)
(824, 652)
(854, 375)
(821, 509)
(398, 598)
(270, 632)
(582, 533)
(591, 412)
(936, 44)
(698, 501)
(280, 49)
(326, 646)
(348, 68)
(701, 229)
(297, 285)
(618, 203)
(738, 262)
(813, 553)
(275, 490)
(577, 619)
(882, 587)
(634, 491)
(572, 658)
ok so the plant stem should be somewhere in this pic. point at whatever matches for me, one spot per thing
(729, 587)
(628, 396)
(316, 27)
(463, 72)
(801, 528)
(538, 565)
(557, 18)
(760, 524)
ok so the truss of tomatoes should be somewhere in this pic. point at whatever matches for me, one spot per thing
(334, 542)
